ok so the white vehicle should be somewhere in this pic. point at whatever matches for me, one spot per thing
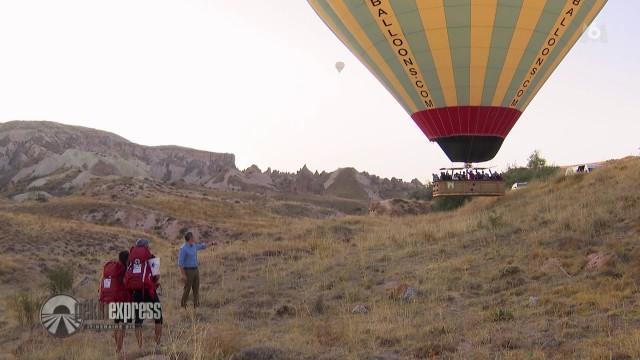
(519, 185)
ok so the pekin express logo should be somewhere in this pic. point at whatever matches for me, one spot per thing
(62, 315)
(59, 316)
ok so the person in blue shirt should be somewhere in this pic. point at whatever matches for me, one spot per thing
(188, 263)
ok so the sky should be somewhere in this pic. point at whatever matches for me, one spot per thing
(258, 79)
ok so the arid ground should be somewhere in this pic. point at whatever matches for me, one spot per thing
(546, 272)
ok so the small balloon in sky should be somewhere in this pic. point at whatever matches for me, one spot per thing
(339, 66)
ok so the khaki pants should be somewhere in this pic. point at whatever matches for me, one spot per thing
(192, 283)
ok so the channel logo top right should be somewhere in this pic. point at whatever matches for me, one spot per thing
(594, 33)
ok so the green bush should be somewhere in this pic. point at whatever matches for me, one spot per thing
(449, 203)
(60, 279)
(522, 174)
(536, 168)
(422, 193)
(536, 160)
(24, 308)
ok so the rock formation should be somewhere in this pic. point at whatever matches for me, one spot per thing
(57, 158)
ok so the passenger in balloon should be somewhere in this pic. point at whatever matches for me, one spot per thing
(467, 182)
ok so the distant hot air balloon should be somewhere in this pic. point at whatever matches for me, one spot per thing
(464, 70)
(339, 66)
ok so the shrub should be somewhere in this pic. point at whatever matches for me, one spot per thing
(535, 160)
(495, 221)
(24, 308)
(623, 254)
(40, 197)
(523, 174)
(60, 279)
(319, 307)
(449, 203)
(501, 315)
(221, 346)
(422, 193)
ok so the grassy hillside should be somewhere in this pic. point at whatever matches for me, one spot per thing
(550, 271)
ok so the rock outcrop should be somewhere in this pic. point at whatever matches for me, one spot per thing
(32, 151)
(57, 158)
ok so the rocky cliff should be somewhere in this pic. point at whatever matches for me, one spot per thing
(39, 155)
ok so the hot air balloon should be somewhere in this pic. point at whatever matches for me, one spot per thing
(464, 70)
(339, 66)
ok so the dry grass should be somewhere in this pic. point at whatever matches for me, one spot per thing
(499, 278)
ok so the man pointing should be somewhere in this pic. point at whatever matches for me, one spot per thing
(188, 263)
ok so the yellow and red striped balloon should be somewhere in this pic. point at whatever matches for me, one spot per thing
(463, 69)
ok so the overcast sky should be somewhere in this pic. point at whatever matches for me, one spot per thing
(257, 79)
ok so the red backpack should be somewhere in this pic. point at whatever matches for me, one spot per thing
(138, 275)
(139, 252)
(112, 287)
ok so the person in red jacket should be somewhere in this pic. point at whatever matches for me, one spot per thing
(112, 290)
(146, 294)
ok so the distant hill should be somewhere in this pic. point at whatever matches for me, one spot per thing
(58, 159)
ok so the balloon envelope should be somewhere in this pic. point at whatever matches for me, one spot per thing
(466, 69)
(339, 66)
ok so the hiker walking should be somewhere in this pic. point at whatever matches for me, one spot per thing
(143, 286)
(112, 290)
(188, 263)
